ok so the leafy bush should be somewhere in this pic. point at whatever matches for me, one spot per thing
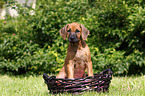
(110, 58)
(32, 44)
(14, 50)
(51, 16)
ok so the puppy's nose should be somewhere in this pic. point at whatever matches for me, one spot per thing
(72, 36)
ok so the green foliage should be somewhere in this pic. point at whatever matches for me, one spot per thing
(110, 58)
(32, 43)
(14, 52)
(51, 16)
(2, 3)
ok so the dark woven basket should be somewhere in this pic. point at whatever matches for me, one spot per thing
(99, 82)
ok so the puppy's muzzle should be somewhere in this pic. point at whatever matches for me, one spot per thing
(73, 38)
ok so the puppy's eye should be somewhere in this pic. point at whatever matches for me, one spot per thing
(77, 31)
(69, 30)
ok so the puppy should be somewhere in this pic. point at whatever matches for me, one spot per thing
(78, 57)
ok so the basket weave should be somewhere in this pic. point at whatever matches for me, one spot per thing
(99, 82)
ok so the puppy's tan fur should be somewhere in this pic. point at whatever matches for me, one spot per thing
(78, 57)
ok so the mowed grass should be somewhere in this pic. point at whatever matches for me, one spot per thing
(35, 86)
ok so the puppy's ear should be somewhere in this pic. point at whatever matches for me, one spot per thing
(85, 32)
(63, 32)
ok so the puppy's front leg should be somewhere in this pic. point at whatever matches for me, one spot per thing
(70, 69)
(62, 73)
(89, 68)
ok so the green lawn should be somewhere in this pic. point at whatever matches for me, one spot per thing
(34, 86)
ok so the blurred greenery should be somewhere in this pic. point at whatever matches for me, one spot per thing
(31, 44)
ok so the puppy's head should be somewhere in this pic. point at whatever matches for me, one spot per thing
(75, 32)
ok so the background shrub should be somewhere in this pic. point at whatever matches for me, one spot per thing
(32, 44)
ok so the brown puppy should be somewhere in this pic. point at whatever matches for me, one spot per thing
(78, 57)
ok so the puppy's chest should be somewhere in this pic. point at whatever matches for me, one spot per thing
(80, 61)
(81, 56)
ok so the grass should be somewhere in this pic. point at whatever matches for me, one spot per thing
(34, 86)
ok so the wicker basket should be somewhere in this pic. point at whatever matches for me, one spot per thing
(99, 82)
